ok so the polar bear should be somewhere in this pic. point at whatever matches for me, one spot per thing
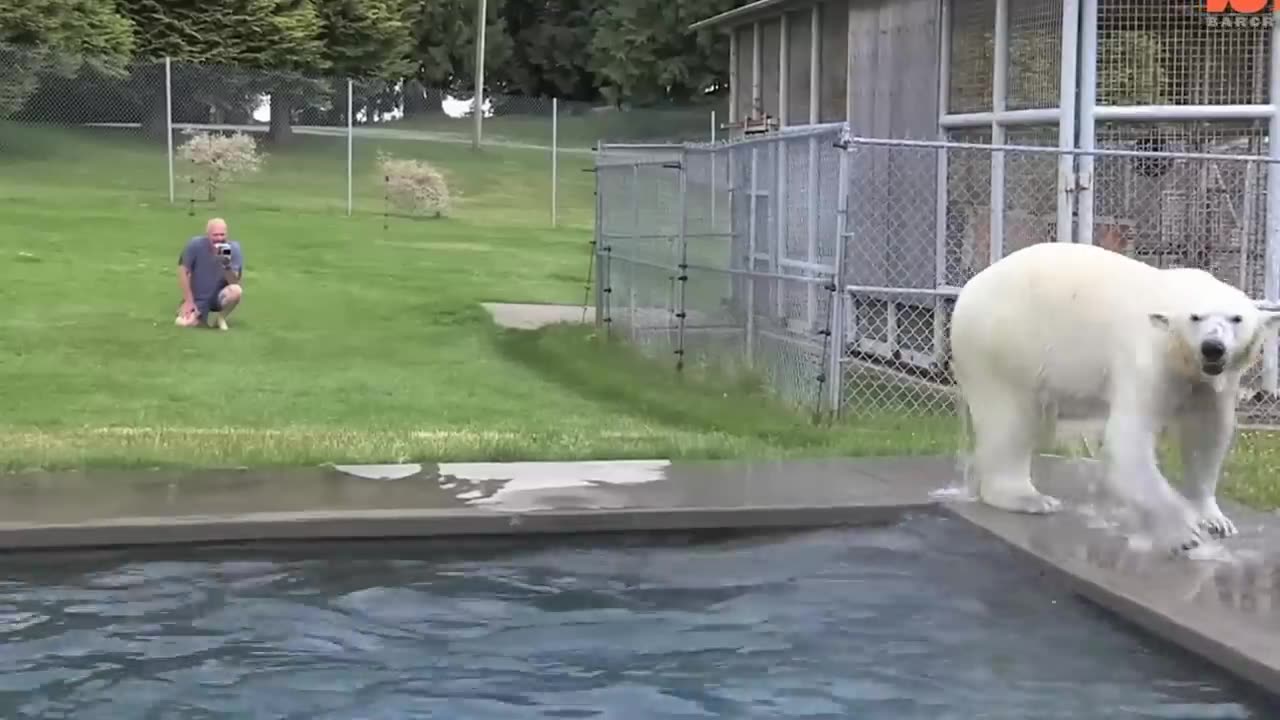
(1057, 327)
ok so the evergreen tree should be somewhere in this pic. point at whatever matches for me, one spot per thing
(643, 53)
(227, 52)
(443, 51)
(60, 37)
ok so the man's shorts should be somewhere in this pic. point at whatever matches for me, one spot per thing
(204, 306)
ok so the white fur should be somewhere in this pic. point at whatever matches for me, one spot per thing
(1062, 330)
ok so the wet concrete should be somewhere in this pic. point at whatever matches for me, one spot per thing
(1222, 607)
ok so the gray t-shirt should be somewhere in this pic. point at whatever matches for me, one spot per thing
(202, 262)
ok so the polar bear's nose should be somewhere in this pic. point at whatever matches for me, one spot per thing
(1213, 350)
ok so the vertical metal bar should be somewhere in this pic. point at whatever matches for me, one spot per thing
(601, 277)
(941, 185)
(784, 70)
(811, 196)
(1067, 118)
(757, 59)
(683, 276)
(635, 237)
(815, 64)
(734, 79)
(835, 349)
(780, 159)
(555, 169)
(1271, 282)
(715, 165)
(752, 191)
(481, 22)
(168, 120)
(1088, 116)
(350, 140)
(999, 85)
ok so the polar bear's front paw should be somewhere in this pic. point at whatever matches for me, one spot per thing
(1214, 522)
(1189, 542)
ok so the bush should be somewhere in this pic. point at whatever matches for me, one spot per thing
(414, 185)
(220, 158)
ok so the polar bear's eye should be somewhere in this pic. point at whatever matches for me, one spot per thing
(1196, 318)
(1237, 318)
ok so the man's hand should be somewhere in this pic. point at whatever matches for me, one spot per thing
(188, 315)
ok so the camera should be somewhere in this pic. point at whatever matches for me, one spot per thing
(224, 249)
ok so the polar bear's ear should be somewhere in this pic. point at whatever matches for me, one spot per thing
(1159, 321)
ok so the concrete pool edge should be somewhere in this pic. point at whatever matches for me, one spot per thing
(1206, 610)
(139, 532)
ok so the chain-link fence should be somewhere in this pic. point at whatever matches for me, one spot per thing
(726, 257)
(209, 137)
(721, 257)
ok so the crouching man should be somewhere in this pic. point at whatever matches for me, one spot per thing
(209, 271)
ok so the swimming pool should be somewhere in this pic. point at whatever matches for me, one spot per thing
(923, 619)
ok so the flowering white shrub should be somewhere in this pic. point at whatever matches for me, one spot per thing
(414, 185)
(220, 158)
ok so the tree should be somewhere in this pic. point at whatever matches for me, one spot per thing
(552, 48)
(368, 41)
(284, 36)
(643, 53)
(443, 50)
(61, 37)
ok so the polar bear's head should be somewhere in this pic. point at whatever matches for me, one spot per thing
(1218, 333)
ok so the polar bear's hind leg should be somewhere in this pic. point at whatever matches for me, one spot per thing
(1006, 426)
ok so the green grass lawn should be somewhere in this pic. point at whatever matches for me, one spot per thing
(356, 342)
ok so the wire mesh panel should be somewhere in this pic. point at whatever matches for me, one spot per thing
(1174, 53)
(1168, 209)
(724, 259)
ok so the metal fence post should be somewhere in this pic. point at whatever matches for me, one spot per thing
(999, 85)
(1087, 118)
(350, 140)
(168, 121)
(714, 166)
(1271, 278)
(598, 245)
(555, 133)
(683, 274)
(835, 374)
(1067, 118)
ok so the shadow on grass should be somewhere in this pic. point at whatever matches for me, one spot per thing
(609, 372)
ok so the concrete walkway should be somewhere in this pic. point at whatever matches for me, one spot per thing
(531, 316)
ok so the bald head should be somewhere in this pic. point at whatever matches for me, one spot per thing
(216, 230)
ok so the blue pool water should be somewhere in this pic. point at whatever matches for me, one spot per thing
(925, 619)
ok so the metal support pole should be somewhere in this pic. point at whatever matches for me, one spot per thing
(942, 187)
(752, 192)
(999, 85)
(1270, 361)
(168, 120)
(757, 71)
(683, 276)
(715, 165)
(350, 140)
(481, 21)
(598, 228)
(835, 349)
(555, 169)
(1088, 115)
(811, 197)
(779, 249)
(1067, 118)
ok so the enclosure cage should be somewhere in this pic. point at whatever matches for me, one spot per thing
(1138, 125)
